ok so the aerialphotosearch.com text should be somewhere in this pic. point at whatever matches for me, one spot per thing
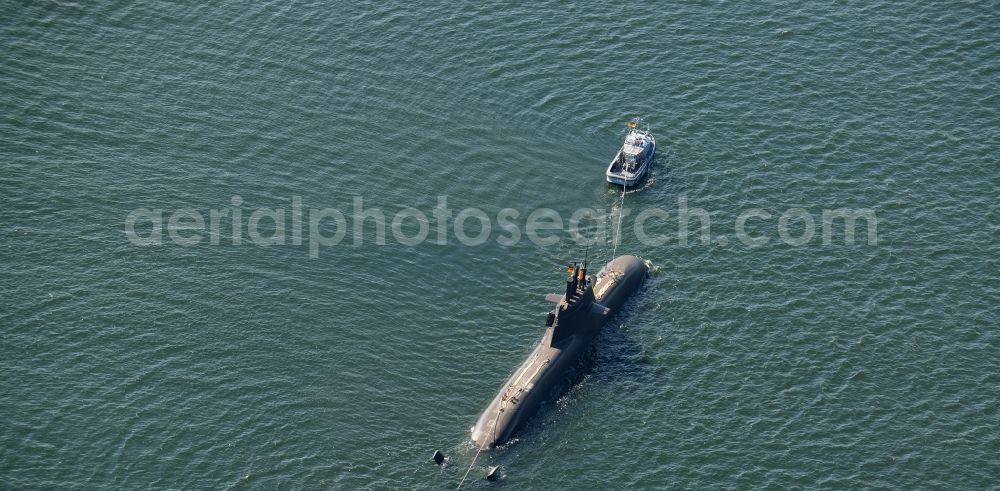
(319, 228)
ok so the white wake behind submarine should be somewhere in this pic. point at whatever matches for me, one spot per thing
(588, 303)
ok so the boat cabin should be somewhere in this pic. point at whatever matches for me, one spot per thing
(631, 157)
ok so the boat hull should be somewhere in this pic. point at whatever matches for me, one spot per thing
(629, 179)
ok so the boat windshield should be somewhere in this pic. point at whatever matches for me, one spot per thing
(632, 149)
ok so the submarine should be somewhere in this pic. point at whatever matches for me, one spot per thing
(580, 312)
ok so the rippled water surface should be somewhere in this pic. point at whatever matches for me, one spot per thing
(240, 366)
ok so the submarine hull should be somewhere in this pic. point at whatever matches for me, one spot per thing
(552, 365)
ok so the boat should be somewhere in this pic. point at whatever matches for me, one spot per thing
(634, 158)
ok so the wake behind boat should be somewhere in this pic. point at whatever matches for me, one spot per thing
(634, 158)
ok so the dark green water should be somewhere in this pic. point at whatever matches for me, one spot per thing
(241, 366)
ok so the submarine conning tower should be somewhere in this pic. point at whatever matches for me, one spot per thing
(572, 312)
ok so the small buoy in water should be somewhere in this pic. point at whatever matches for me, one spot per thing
(493, 473)
(438, 457)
